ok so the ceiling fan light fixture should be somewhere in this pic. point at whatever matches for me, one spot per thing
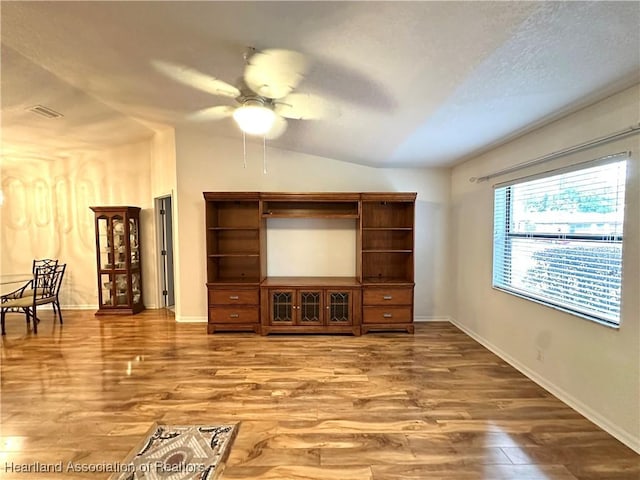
(254, 118)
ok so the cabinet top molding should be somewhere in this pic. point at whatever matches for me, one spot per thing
(320, 282)
(115, 208)
(312, 196)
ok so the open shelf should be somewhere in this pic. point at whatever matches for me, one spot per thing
(388, 229)
(387, 265)
(222, 229)
(242, 254)
(233, 241)
(244, 281)
(387, 239)
(225, 215)
(302, 209)
(382, 250)
(243, 268)
(385, 281)
(387, 215)
(307, 214)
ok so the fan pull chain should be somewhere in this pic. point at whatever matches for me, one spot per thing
(264, 155)
(244, 149)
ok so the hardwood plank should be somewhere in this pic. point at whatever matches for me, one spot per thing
(290, 472)
(386, 406)
(462, 472)
(394, 456)
(583, 461)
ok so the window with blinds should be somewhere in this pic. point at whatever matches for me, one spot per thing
(558, 239)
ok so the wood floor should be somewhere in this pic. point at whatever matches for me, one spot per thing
(434, 405)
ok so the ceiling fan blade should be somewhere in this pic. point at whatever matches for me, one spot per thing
(305, 106)
(278, 128)
(275, 73)
(196, 79)
(212, 113)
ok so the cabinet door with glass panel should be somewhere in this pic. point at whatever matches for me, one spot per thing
(118, 260)
(296, 307)
(310, 310)
(339, 307)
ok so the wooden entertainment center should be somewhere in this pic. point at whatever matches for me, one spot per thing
(241, 297)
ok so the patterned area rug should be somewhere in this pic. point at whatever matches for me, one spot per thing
(179, 452)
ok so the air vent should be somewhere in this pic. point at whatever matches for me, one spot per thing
(44, 111)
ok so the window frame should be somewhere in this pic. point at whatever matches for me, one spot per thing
(508, 235)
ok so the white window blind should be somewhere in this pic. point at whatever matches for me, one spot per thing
(558, 238)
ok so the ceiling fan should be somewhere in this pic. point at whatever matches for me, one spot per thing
(264, 96)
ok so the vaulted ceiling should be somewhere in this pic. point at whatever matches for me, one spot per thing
(416, 83)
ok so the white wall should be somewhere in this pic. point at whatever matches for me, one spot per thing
(46, 211)
(594, 368)
(206, 163)
(163, 161)
(311, 247)
(162, 184)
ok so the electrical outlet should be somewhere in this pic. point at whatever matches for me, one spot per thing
(540, 357)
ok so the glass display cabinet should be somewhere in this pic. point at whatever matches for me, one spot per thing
(118, 260)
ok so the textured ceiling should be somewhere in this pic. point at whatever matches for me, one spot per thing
(417, 83)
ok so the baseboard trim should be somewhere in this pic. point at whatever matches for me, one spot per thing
(78, 307)
(91, 307)
(625, 437)
(430, 319)
(190, 319)
(198, 319)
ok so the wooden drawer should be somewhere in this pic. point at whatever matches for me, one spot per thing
(233, 315)
(387, 315)
(387, 296)
(233, 297)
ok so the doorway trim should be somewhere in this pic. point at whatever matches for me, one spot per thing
(163, 211)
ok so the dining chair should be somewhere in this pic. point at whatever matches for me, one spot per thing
(27, 290)
(46, 288)
(44, 262)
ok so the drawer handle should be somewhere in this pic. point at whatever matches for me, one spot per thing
(233, 315)
(387, 315)
(387, 297)
(233, 297)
